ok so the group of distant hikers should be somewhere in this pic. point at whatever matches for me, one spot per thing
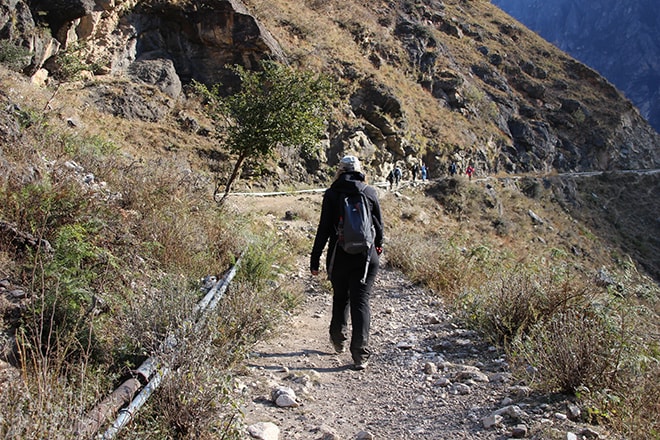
(351, 225)
(395, 175)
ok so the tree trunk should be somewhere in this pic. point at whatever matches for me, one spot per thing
(234, 175)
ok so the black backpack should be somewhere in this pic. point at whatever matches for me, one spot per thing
(356, 232)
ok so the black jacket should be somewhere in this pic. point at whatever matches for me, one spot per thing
(347, 183)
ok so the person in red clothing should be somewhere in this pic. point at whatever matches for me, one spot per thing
(470, 171)
(351, 289)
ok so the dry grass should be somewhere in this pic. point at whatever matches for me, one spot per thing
(155, 231)
(128, 249)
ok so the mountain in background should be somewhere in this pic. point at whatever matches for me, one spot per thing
(432, 81)
(621, 40)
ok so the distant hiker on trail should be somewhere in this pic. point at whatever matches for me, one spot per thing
(424, 172)
(390, 178)
(351, 269)
(415, 170)
(452, 169)
(397, 176)
(470, 171)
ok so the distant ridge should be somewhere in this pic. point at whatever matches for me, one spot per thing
(621, 40)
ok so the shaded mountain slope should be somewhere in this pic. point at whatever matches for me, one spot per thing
(619, 39)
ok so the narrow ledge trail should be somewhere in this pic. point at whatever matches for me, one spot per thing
(392, 399)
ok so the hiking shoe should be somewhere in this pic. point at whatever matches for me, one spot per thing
(361, 365)
(339, 347)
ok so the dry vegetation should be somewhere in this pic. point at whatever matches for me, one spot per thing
(573, 314)
(127, 254)
(128, 248)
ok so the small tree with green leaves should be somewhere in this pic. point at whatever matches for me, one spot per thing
(275, 106)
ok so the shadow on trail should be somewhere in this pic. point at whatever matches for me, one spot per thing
(295, 354)
(303, 352)
(317, 369)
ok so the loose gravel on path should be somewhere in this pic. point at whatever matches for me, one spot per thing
(428, 378)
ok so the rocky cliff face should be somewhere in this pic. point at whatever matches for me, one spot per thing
(618, 39)
(427, 80)
(199, 38)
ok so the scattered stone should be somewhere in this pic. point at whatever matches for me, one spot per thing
(284, 397)
(512, 411)
(506, 401)
(474, 374)
(590, 433)
(327, 433)
(443, 382)
(574, 412)
(604, 279)
(560, 416)
(501, 377)
(491, 421)
(430, 368)
(519, 431)
(571, 436)
(535, 218)
(460, 388)
(18, 294)
(521, 391)
(264, 431)
(407, 370)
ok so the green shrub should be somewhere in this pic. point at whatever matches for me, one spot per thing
(13, 56)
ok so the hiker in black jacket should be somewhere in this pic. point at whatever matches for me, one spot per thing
(351, 289)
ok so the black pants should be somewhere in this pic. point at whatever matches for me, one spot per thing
(352, 296)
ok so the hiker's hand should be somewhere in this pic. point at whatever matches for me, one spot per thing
(315, 272)
(379, 250)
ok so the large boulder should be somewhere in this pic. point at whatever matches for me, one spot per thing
(159, 72)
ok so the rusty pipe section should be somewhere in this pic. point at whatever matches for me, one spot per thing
(149, 374)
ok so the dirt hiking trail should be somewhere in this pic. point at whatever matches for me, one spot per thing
(427, 379)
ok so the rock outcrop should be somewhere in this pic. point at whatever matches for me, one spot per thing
(197, 40)
(503, 99)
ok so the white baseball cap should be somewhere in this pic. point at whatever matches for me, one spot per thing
(348, 164)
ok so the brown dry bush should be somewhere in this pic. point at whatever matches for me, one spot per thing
(511, 302)
(195, 401)
(601, 354)
(443, 265)
(571, 349)
(125, 249)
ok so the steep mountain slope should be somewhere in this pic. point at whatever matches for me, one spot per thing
(427, 80)
(619, 39)
(470, 84)
(107, 167)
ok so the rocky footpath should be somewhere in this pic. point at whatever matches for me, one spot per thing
(430, 378)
